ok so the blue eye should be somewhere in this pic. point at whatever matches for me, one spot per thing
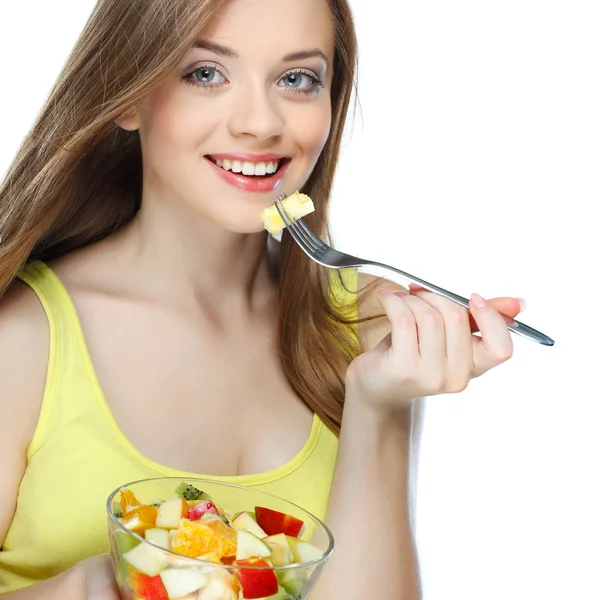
(301, 82)
(293, 80)
(205, 77)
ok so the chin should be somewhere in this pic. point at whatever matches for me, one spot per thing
(244, 228)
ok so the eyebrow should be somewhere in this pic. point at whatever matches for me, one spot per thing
(224, 51)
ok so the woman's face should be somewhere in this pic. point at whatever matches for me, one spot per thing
(246, 116)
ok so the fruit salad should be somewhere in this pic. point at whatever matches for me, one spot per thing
(296, 205)
(260, 546)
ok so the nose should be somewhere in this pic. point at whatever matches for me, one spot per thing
(255, 113)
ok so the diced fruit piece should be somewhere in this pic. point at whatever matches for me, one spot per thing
(303, 551)
(147, 559)
(196, 511)
(281, 594)
(158, 537)
(171, 512)
(274, 522)
(181, 582)
(210, 557)
(128, 501)
(225, 532)
(141, 518)
(146, 587)
(222, 585)
(257, 583)
(281, 553)
(247, 522)
(291, 583)
(296, 205)
(208, 517)
(195, 538)
(125, 542)
(117, 509)
(191, 493)
(249, 546)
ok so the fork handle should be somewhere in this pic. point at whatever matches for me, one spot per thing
(512, 324)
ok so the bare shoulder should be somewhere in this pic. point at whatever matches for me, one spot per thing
(373, 331)
(24, 344)
(24, 347)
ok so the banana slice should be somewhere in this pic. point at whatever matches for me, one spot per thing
(297, 205)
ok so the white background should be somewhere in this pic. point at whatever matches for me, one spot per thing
(473, 164)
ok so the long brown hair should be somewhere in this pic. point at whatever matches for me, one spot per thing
(77, 177)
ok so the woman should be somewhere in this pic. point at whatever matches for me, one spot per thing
(149, 327)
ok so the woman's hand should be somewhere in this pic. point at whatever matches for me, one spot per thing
(90, 579)
(98, 578)
(431, 348)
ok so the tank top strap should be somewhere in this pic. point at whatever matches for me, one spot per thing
(67, 362)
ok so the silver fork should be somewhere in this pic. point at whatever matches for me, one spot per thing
(327, 256)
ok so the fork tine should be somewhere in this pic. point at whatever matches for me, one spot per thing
(293, 227)
(289, 225)
(317, 241)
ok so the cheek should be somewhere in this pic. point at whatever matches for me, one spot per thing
(171, 122)
(312, 130)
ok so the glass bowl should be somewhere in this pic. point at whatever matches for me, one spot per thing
(229, 543)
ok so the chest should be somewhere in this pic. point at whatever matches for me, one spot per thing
(192, 397)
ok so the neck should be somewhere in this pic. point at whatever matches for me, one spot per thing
(187, 260)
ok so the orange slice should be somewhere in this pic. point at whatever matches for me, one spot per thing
(128, 501)
(225, 532)
(196, 538)
(141, 518)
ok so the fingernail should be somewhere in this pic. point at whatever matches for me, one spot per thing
(522, 304)
(477, 300)
(400, 294)
(384, 292)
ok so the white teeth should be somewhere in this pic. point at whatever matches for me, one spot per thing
(248, 168)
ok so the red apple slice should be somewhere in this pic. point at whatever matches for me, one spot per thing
(257, 584)
(274, 522)
(148, 588)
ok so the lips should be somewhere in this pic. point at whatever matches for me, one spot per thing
(252, 173)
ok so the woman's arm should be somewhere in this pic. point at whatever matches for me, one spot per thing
(370, 511)
(24, 342)
(429, 350)
(371, 506)
(23, 359)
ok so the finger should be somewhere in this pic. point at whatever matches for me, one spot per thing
(459, 346)
(510, 307)
(403, 337)
(506, 305)
(430, 332)
(495, 345)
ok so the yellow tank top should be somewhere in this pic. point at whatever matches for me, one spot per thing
(78, 455)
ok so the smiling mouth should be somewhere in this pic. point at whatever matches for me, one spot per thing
(262, 170)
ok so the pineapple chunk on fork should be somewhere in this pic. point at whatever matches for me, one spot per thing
(296, 205)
